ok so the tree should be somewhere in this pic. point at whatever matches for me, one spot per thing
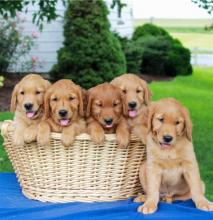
(91, 53)
(119, 5)
(208, 6)
(205, 4)
(46, 10)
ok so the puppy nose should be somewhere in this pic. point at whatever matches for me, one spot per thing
(108, 121)
(62, 113)
(167, 138)
(28, 106)
(132, 104)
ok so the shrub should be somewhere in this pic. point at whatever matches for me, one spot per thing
(14, 45)
(91, 53)
(147, 30)
(153, 51)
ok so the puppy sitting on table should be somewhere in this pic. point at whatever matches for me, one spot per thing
(171, 170)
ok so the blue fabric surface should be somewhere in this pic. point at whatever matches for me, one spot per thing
(13, 205)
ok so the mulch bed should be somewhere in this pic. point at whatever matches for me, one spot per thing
(6, 91)
(12, 79)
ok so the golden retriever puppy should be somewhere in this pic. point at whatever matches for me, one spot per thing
(105, 114)
(27, 104)
(63, 112)
(171, 169)
(137, 98)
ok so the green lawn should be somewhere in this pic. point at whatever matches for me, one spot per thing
(195, 92)
(5, 165)
(195, 40)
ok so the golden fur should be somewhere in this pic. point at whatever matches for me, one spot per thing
(135, 90)
(30, 90)
(171, 169)
(63, 95)
(104, 103)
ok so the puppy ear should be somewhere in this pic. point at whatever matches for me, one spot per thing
(115, 81)
(151, 112)
(81, 101)
(89, 102)
(147, 92)
(47, 84)
(13, 103)
(188, 124)
(123, 99)
(47, 104)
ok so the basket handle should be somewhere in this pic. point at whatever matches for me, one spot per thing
(4, 127)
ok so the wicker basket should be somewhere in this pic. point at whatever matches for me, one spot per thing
(83, 172)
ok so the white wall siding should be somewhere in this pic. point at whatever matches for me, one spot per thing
(51, 38)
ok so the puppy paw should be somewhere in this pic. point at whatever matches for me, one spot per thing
(67, 140)
(18, 140)
(123, 141)
(168, 199)
(204, 204)
(98, 137)
(147, 208)
(30, 135)
(43, 140)
(140, 198)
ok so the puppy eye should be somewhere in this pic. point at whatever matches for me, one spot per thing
(71, 98)
(161, 119)
(99, 104)
(177, 122)
(124, 91)
(55, 99)
(138, 90)
(38, 92)
(22, 92)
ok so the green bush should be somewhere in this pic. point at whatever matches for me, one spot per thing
(147, 30)
(91, 53)
(153, 51)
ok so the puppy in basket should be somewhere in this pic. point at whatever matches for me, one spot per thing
(171, 170)
(137, 97)
(105, 114)
(63, 113)
(27, 104)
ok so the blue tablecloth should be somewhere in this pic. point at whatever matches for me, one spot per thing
(13, 205)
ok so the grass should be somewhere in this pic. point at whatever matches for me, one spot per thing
(196, 93)
(5, 165)
(195, 40)
(180, 23)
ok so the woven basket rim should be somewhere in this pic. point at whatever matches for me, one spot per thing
(8, 125)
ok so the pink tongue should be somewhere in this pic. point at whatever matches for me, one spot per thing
(166, 146)
(30, 114)
(108, 126)
(64, 122)
(132, 113)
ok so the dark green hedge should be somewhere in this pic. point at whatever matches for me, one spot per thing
(153, 51)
